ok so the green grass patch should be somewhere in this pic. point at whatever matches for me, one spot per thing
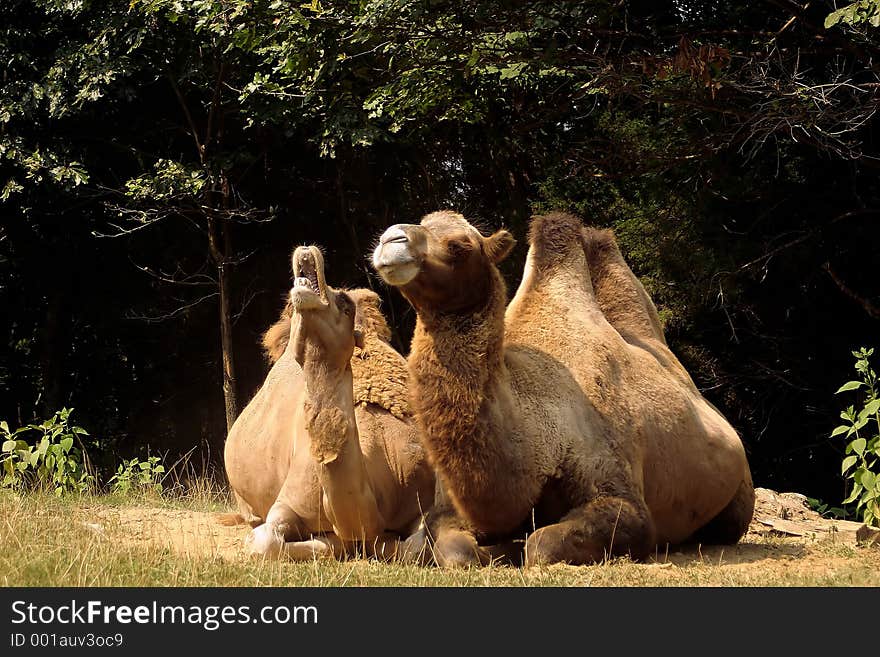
(118, 541)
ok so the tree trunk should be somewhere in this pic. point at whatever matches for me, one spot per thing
(216, 235)
(54, 349)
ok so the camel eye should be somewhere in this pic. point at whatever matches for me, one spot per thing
(459, 248)
(347, 304)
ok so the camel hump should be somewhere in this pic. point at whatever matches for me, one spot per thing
(600, 243)
(275, 339)
(368, 313)
(552, 236)
(621, 296)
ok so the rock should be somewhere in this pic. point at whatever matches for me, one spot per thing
(787, 506)
(789, 514)
(868, 536)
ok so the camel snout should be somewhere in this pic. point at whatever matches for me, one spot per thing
(394, 258)
(395, 234)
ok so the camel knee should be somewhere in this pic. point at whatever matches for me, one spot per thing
(416, 548)
(267, 541)
(459, 550)
(282, 525)
(606, 527)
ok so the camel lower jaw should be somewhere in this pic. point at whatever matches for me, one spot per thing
(398, 275)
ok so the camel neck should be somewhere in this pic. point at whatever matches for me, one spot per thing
(348, 496)
(459, 380)
(329, 407)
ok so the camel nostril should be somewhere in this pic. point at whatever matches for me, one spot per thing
(393, 235)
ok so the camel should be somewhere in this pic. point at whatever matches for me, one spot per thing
(316, 469)
(562, 417)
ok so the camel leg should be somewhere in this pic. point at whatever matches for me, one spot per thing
(326, 546)
(349, 500)
(387, 546)
(451, 542)
(282, 524)
(604, 527)
(246, 512)
(729, 526)
(443, 538)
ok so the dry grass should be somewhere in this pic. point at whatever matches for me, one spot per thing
(174, 541)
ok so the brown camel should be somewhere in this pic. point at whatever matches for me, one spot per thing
(316, 469)
(554, 417)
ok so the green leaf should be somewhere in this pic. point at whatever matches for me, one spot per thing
(858, 446)
(872, 407)
(848, 462)
(8, 446)
(67, 443)
(843, 428)
(849, 385)
(857, 489)
(868, 479)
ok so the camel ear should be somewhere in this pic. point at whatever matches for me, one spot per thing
(358, 339)
(498, 245)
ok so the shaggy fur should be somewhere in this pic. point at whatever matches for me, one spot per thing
(380, 375)
(545, 414)
(327, 427)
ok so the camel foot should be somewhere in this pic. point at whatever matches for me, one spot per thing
(266, 541)
(319, 547)
(459, 549)
(605, 527)
(416, 549)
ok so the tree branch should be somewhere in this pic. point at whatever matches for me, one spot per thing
(867, 305)
(189, 119)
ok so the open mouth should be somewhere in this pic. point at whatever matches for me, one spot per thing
(309, 289)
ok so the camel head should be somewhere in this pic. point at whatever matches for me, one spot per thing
(326, 316)
(442, 263)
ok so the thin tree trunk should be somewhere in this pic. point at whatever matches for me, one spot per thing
(216, 235)
(54, 348)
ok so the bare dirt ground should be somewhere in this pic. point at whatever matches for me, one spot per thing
(786, 541)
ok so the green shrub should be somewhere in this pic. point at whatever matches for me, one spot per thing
(44, 456)
(135, 475)
(861, 463)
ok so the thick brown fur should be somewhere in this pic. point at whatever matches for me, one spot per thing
(546, 412)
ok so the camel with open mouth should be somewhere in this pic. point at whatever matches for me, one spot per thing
(542, 418)
(316, 470)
